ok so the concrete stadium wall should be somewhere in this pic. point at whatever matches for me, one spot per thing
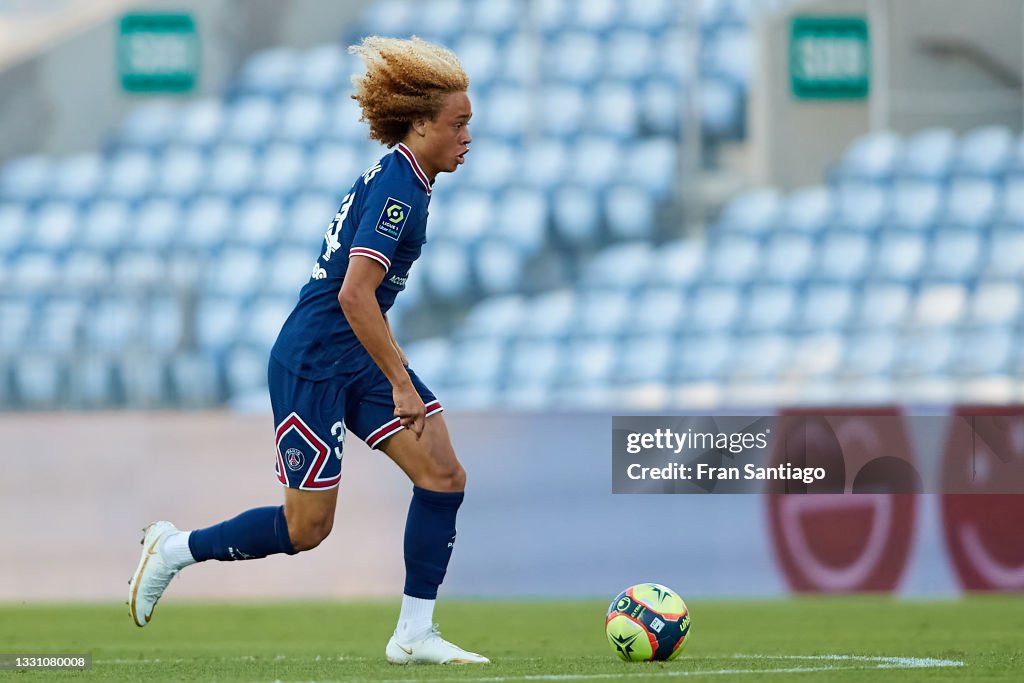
(68, 98)
(539, 518)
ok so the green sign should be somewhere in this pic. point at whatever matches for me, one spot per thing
(158, 53)
(829, 57)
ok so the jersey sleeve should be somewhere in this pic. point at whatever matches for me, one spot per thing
(386, 216)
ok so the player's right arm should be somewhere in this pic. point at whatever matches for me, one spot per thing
(358, 300)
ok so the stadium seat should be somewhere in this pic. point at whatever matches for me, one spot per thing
(114, 323)
(733, 260)
(200, 122)
(938, 306)
(860, 207)
(646, 358)
(985, 351)
(752, 213)
(704, 357)
(149, 125)
(814, 356)
(245, 371)
(522, 217)
(588, 360)
(130, 175)
(788, 258)
(322, 70)
(714, 309)
(94, 380)
(634, 54)
(86, 270)
(869, 354)
(566, 109)
(730, 53)
(14, 227)
(872, 157)
(35, 272)
(721, 108)
(283, 169)
(899, 256)
(602, 312)
(613, 110)
(882, 306)
(77, 178)
(429, 358)
(288, 270)
(760, 357)
(268, 73)
(574, 58)
(575, 214)
(596, 162)
(181, 173)
(207, 222)
(984, 152)
(916, 205)
(843, 257)
(808, 210)
(194, 381)
(39, 380)
(925, 353)
(954, 255)
(498, 264)
(677, 263)
(302, 118)
(1005, 254)
(447, 271)
(157, 223)
(768, 308)
(54, 226)
(927, 155)
(1012, 208)
(493, 167)
(234, 271)
(660, 103)
(500, 316)
(825, 308)
(535, 360)
(164, 323)
(26, 179)
(623, 266)
(263, 321)
(232, 168)
(105, 224)
(468, 214)
(658, 310)
(548, 162)
(479, 54)
(995, 303)
(259, 219)
(138, 270)
(217, 323)
(652, 164)
(971, 203)
(18, 315)
(549, 315)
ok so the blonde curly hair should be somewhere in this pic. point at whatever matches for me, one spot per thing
(404, 80)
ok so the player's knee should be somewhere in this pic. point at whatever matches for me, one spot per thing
(447, 477)
(308, 532)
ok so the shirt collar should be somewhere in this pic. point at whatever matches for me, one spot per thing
(411, 158)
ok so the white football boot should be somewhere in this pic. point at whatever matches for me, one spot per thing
(153, 574)
(430, 648)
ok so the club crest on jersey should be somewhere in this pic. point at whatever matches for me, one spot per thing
(392, 218)
(294, 459)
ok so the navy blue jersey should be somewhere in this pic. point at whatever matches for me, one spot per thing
(384, 218)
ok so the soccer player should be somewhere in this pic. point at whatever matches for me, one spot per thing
(336, 365)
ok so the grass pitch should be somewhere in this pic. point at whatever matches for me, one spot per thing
(812, 639)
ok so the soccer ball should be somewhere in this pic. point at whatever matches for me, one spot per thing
(647, 622)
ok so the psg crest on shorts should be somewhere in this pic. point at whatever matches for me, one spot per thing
(293, 458)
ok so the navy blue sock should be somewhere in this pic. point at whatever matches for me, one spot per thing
(251, 535)
(429, 538)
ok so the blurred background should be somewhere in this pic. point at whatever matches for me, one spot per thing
(671, 206)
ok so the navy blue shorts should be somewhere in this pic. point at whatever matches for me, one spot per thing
(311, 419)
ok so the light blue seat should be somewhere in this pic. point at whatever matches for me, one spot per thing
(492, 166)
(477, 361)
(440, 20)
(548, 161)
(899, 256)
(245, 371)
(164, 324)
(768, 308)
(446, 270)
(18, 315)
(647, 358)
(602, 312)
(85, 270)
(105, 224)
(630, 213)
(925, 353)
(752, 213)
(390, 18)
(218, 322)
(612, 110)
(430, 359)
(269, 72)
(26, 178)
(283, 170)
(955, 255)
(671, 43)
(574, 58)
(622, 266)
(194, 381)
(93, 380)
(916, 204)
(138, 270)
(333, 167)
(35, 272)
(181, 173)
(816, 355)
(1012, 208)
(576, 215)
(634, 54)
(882, 306)
(499, 265)
(550, 315)
(649, 16)
(986, 351)
(522, 218)
(939, 306)
(535, 396)
(130, 175)
(260, 219)
(200, 123)
(38, 380)
(207, 222)
(251, 120)
(714, 309)
(808, 210)
(869, 354)
(758, 357)
(972, 203)
(678, 263)
(651, 163)
(704, 357)
(322, 70)
(302, 119)
(54, 226)
(535, 361)
(266, 314)
(596, 162)
(733, 260)
(14, 227)
(721, 108)
(493, 19)
(113, 323)
(566, 110)
(588, 360)
(149, 124)
(928, 154)
(78, 178)
(512, 117)
(731, 53)
(232, 169)
(861, 207)
(658, 311)
(233, 271)
(501, 316)
(597, 16)
(843, 257)
(788, 258)
(872, 157)
(308, 218)
(466, 220)
(984, 152)
(995, 303)
(288, 271)
(480, 57)
(1005, 254)
(825, 308)
(343, 124)
(157, 224)
(660, 102)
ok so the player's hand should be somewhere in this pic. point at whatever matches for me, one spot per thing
(409, 408)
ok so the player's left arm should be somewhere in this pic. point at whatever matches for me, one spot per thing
(394, 342)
